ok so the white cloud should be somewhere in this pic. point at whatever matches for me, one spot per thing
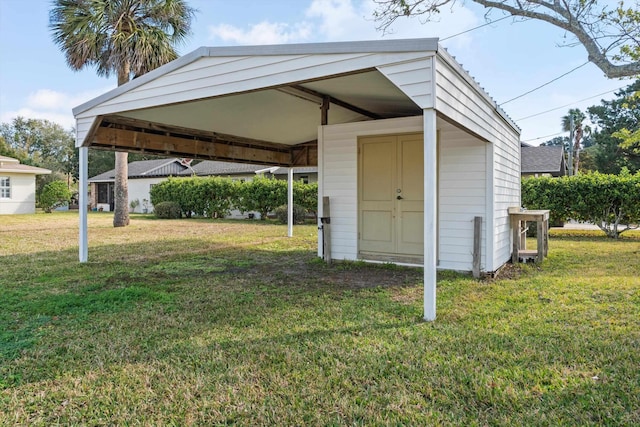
(65, 120)
(262, 33)
(344, 20)
(55, 106)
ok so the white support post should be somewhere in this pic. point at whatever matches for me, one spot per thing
(290, 203)
(430, 213)
(83, 240)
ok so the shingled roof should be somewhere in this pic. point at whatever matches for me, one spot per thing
(211, 167)
(543, 160)
(146, 169)
(172, 167)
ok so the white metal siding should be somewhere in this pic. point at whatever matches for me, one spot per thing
(506, 183)
(459, 101)
(23, 194)
(338, 145)
(414, 78)
(83, 126)
(462, 187)
(211, 76)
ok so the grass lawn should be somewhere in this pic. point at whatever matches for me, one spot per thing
(201, 322)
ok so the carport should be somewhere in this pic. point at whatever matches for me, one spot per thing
(399, 131)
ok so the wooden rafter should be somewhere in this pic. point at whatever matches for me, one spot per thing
(126, 134)
(322, 96)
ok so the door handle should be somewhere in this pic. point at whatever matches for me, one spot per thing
(399, 197)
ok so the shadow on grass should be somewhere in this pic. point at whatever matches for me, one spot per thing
(50, 303)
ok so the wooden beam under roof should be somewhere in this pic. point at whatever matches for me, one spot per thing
(132, 135)
(322, 96)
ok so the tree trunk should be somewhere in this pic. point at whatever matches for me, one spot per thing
(121, 196)
(121, 199)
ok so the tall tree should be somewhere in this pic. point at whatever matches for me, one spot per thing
(558, 141)
(576, 118)
(127, 38)
(40, 143)
(611, 35)
(617, 122)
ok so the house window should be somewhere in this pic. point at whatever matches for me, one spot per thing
(105, 192)
(5, 187)
(305, 179)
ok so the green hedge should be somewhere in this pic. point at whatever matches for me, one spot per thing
(212, 196)
(612, 202)
(215, 197)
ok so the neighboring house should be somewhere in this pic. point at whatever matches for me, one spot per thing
(145, 174)
(409, 147)
(18, 186)
(244, 171)
(542, 161)
(142, 176)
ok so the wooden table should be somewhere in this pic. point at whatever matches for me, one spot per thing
(519, 218)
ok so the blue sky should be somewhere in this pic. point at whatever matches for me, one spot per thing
(507, 58)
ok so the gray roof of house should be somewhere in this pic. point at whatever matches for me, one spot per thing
(543, 160)
(211, 167)
(146, 169)
(172, 167)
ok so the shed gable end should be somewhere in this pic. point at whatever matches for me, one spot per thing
(414, 78)
(211, 77)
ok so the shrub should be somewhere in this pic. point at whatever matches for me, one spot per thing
(612, 202)
(282, 214)
(262, 195)
(306, 195)
(210, 196)
(168, 210)
(54, 194)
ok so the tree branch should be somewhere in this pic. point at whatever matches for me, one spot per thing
(576, 17)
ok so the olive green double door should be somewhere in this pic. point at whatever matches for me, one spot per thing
(391, 197)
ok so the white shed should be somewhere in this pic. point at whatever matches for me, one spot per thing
(409, 148)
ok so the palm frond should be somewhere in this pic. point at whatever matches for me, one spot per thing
(115, 36)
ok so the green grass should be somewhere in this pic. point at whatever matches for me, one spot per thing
(201, 322)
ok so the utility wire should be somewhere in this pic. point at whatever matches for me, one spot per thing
(543, 85)
(475, 28)
(567, 105)
(546, 136)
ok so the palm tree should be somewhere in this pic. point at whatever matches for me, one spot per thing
(123, 37)
(580, 131)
